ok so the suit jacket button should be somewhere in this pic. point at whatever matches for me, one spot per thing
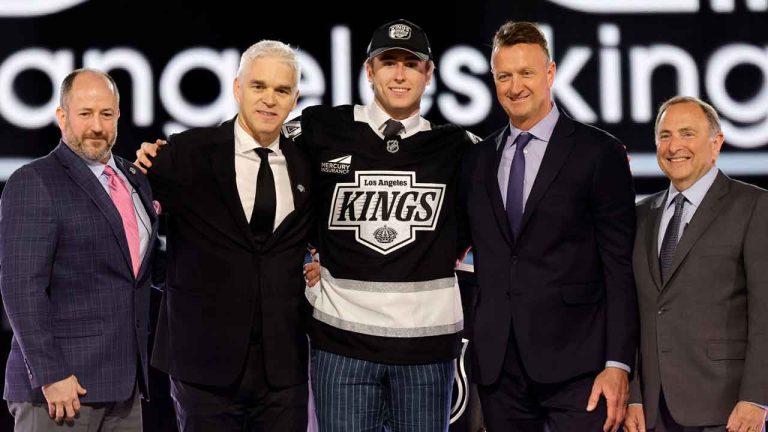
(661, 311)
(514, 259)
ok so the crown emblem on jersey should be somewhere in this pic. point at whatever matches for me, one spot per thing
(399, 31)
(384, 234)
(393, 146)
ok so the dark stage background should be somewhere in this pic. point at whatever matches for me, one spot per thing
(174, 62)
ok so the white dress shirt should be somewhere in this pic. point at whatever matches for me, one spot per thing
(247, 164)
(375, 116)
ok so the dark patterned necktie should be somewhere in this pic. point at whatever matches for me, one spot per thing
(515, 189)
(263, 216)
(671, 237)
(392, 128)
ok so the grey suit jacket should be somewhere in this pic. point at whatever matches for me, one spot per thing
(704, 333)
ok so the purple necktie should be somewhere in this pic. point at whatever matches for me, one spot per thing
(515, 185)
(121, 196)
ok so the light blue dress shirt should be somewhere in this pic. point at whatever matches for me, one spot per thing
(534, 153)
(694, 195)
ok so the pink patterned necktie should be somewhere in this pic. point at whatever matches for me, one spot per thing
(121, 196)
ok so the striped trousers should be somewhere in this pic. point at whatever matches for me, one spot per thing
(354, 395)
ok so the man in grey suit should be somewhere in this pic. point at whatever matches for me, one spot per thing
(701, 270)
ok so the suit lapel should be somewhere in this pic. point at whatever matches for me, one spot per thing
(492, 162)
(297, 169)
(84, 178)
(558, 148)
(132, 174)
(652, 237)
(709, 209)
(223, 166)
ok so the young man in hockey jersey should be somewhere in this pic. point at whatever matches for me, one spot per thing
(387, 314)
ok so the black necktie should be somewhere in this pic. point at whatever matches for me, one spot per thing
(391, 129)
(671, 236)
(515, 191)
(263, 216)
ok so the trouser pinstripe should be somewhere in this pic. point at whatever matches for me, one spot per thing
(360, 396)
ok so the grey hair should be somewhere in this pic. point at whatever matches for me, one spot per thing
(270, 48)
(69, 80)
(709, 112)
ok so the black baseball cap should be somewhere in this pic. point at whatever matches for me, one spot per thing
(400, 34)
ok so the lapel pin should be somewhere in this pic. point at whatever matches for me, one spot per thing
(132, 170)
(300, 188)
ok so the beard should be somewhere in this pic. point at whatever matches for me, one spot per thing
(90, 152)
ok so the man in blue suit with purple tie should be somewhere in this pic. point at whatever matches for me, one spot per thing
(76, 233)
(551, 213)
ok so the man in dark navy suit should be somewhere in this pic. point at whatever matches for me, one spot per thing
(551, 211)
(76, 230)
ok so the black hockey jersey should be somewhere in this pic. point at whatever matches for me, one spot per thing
(387, 239)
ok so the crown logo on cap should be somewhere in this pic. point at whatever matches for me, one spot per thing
(399, 31)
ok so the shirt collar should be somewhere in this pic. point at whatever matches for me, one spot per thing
(694, 194)
(245, 143)
(541, 130)
(98, 168)
(377, 117)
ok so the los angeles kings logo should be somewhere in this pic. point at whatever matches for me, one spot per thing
(386, 208)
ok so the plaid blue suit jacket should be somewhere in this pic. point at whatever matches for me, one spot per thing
(67, 283)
